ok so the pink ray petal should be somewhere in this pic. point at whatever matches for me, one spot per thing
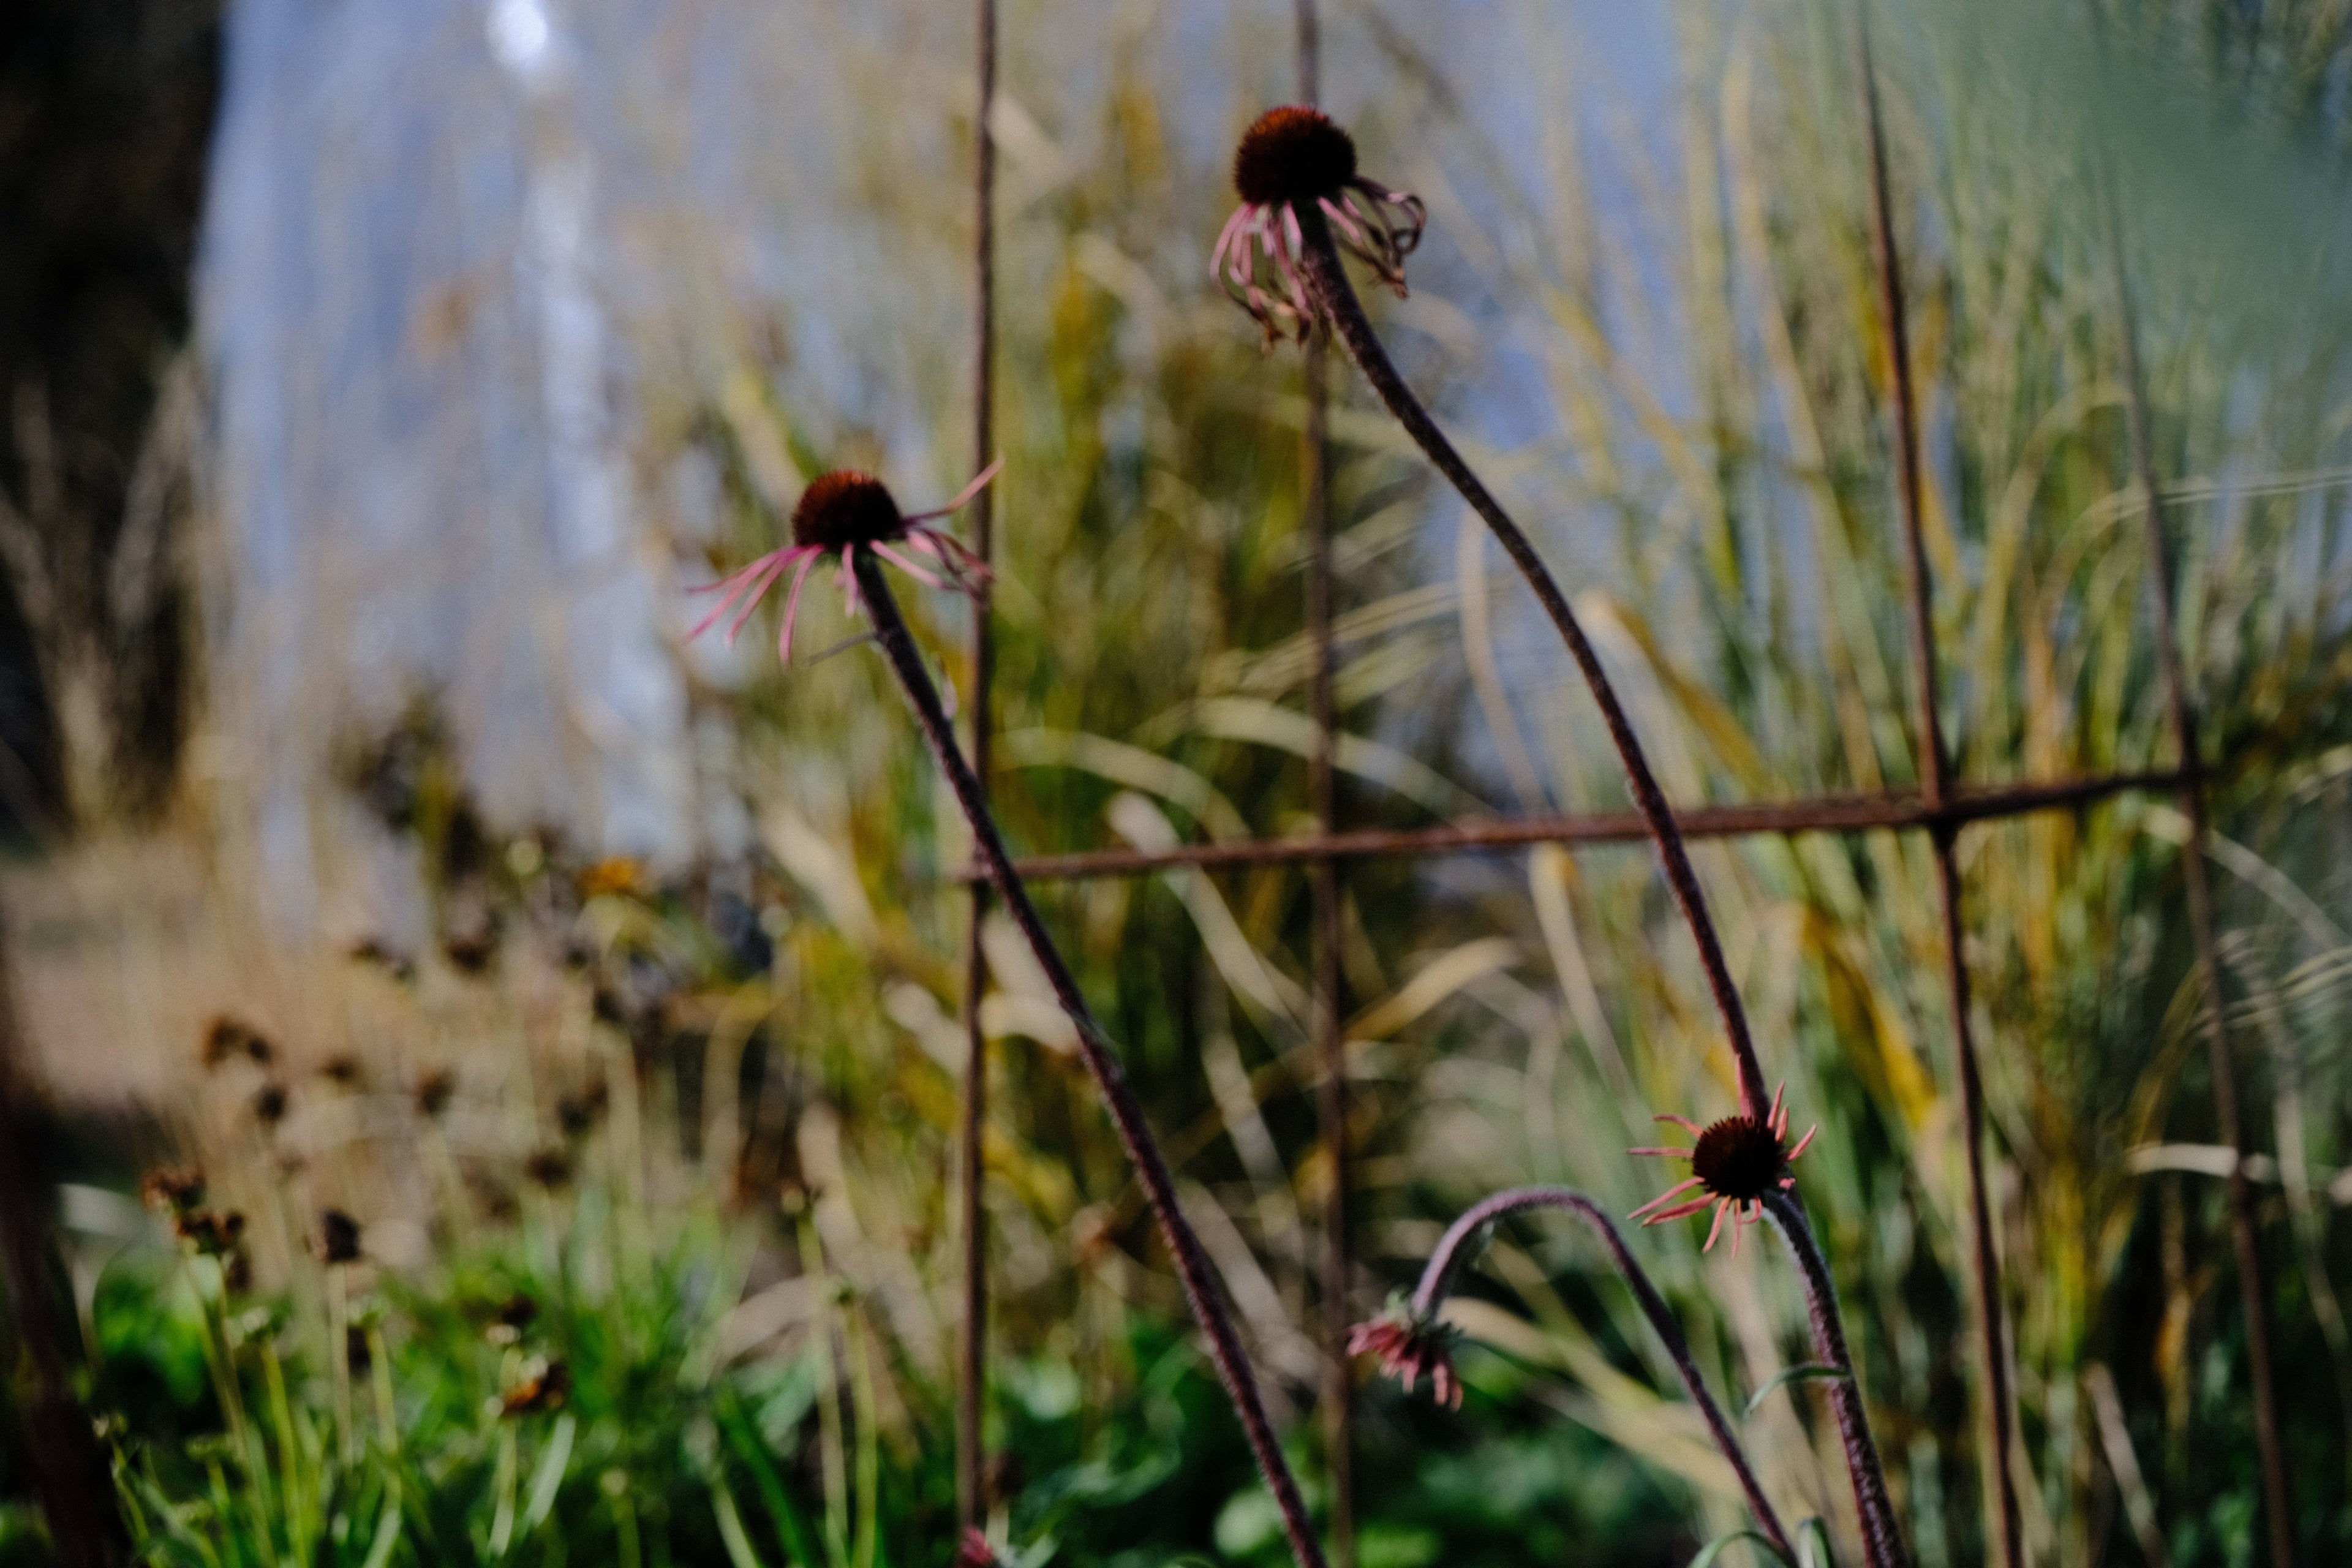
(1225, 239)
(979, 483)
(1680, 1212)
(1669, 1195)
(1668, 1153)
(1735, 1228)
(1717, 1228)
(751, 600)
(735, 583)
(1684, 1123)
(1801, 1142)
(793, 608)
(923, 575)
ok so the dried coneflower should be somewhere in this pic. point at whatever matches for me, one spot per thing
(839, 514)
(1738, 1162)
(578, 1113)
(514, 1315)
(269, 1104)
(210, 1232)
(339, 1237)
(223, 1041)
(172, 1189)
(545, 1386)
(434, 1091)
(357, 1354)
(549, 1167)
(1296, 172)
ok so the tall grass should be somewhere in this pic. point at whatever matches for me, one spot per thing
(1689, 409)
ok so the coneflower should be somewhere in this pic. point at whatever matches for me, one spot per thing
(840, 514)
(1294, 160)
(1737, 1162)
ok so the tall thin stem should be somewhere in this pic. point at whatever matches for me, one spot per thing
(1193, 1266)
(1935, 788)
(1335, 297)
(1323, 883)
(2180, 707)
(1882, 1538)
(972, 1382)
(1452, 1254)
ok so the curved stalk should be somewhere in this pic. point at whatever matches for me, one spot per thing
(1142, 1148)
(1452, 1254)
(1335, 297)
(1881, 1540)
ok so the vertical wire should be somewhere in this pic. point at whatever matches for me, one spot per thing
(2180, 710)
(1323, 876)
(972, 1383)
(1935, 787)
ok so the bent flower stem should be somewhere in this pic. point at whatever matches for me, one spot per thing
(1412, 1341)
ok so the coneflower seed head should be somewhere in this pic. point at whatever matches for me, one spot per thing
(846, 508)
(1739, 1157)
(1293, 155)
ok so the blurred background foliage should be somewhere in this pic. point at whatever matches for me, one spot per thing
(700, 1083)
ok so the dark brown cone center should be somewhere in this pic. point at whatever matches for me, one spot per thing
(1739, 1158)
(846, 508)
(1293, 155)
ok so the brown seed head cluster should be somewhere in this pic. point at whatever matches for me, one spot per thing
(1739, 1157)
(846, 508)
(1293, 155)
(172, 1189)
(339, 1237)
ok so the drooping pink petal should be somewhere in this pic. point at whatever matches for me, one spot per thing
(979, 483)
(759, 592)
(735, 582)
(1717, 1228)
(1684, 1123)
(1664, 1153)
(1801, 1142)
(922, 574)
(793, 608)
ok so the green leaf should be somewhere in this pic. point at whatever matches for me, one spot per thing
(549, 1477)
(1813, 1545)
(1708, 1554)
(1804, 1372)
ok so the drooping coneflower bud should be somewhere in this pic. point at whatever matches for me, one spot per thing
(1293, 155)
(846, 508)
(1411, 1345)
(269, 1104)
(339, 1237)
(173, 1189)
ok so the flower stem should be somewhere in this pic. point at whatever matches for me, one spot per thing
(1882, 1540)
(1334, 296)
(1452, 1254)
(1158, 1186)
